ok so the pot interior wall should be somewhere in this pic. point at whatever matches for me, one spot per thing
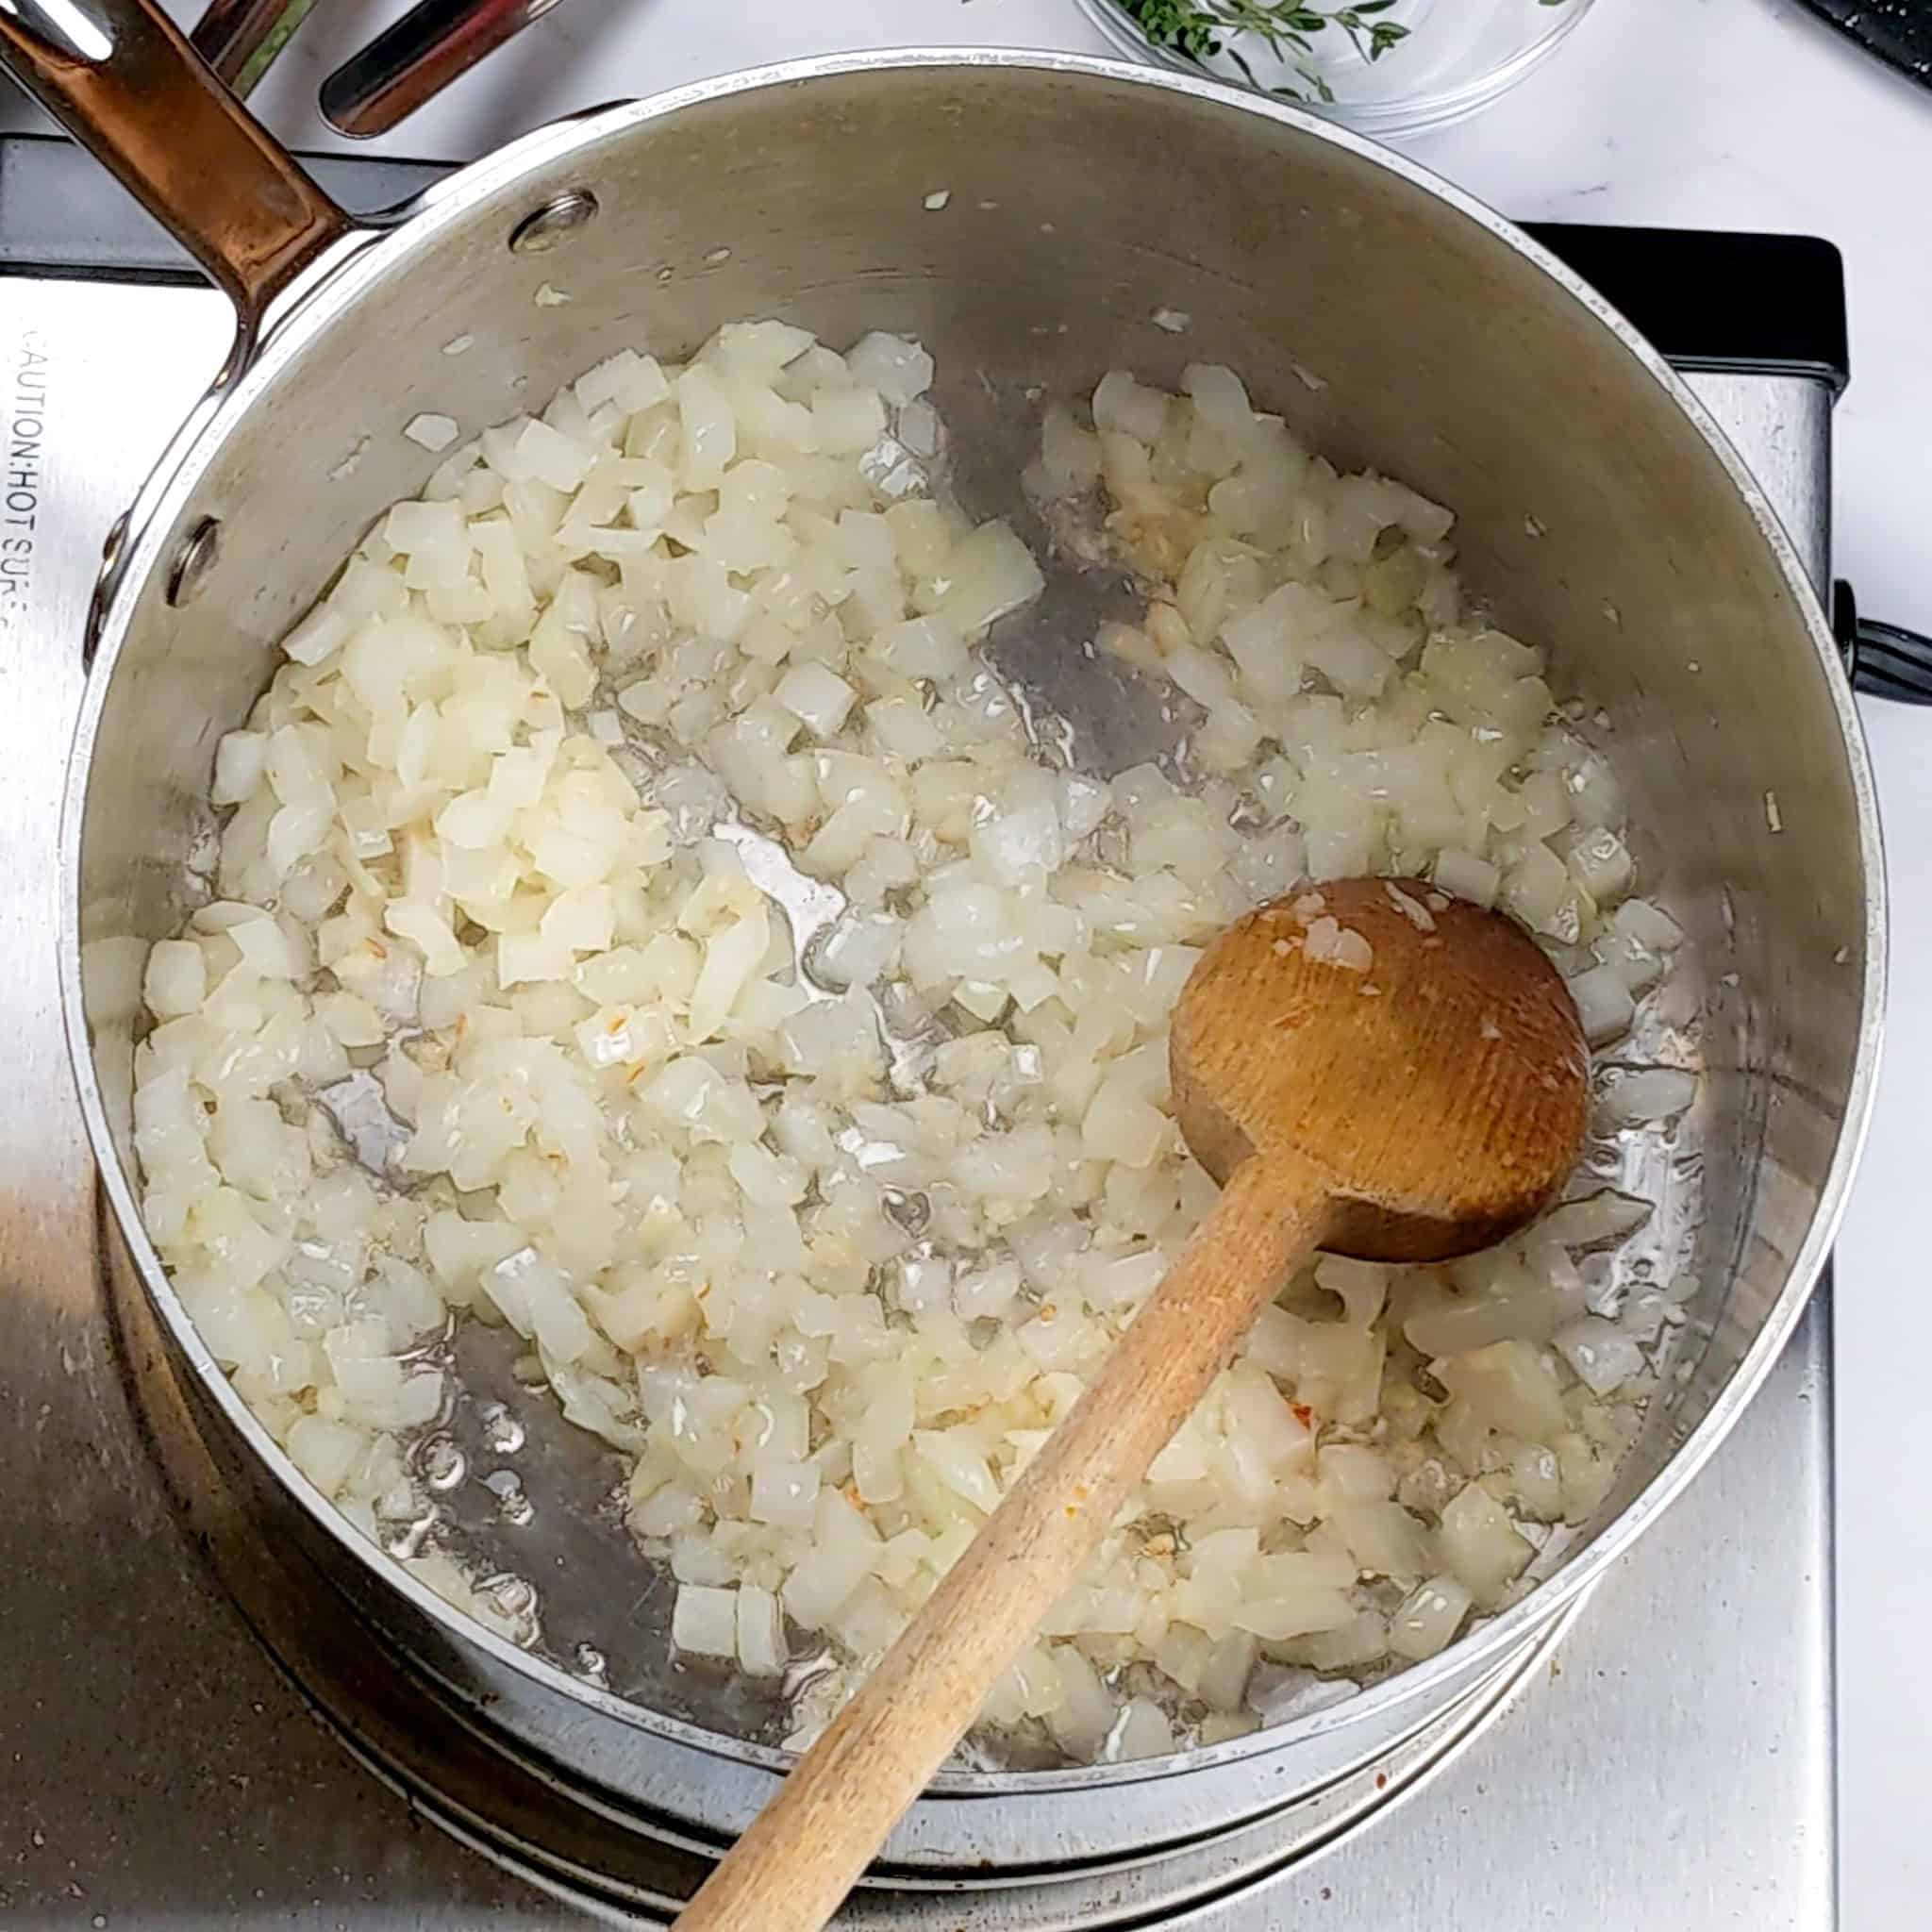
(1390, 329)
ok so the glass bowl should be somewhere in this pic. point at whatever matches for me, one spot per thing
(1382, 66)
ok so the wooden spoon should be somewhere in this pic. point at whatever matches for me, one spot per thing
(1369, 1066)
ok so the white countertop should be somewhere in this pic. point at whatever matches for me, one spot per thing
(1700, 113)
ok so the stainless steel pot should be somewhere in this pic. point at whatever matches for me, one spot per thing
(1394, 321)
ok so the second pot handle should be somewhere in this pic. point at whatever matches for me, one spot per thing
(1883, 660)
(121, 77)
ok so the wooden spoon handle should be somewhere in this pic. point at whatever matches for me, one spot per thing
(809, 1846)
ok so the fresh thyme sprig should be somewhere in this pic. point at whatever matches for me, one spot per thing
(1199, 29)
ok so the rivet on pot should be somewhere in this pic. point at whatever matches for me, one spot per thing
(193, 560)
(551, 222)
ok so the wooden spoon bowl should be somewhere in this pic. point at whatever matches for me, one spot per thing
(1422, 1055)
(1368, 1066)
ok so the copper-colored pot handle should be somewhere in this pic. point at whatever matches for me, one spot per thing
(121, 78)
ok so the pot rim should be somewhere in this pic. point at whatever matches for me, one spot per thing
(320, 304)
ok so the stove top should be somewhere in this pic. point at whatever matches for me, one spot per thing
(1667, 1763)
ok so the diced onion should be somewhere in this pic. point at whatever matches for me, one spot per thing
(704, 1621)
(646, 919)
(1649, 1093)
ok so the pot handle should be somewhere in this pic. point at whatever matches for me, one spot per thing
(121, 78)
(1883, 660)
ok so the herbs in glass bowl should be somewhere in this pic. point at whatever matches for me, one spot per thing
(1386, 66)
(1203, 29)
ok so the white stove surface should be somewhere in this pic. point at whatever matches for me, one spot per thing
(1738, 113)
